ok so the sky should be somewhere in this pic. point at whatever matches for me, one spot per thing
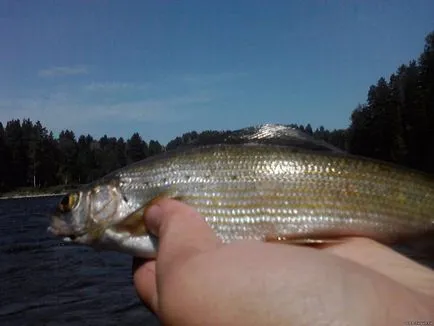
(163, 68)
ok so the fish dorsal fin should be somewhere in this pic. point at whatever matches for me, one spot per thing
(279, 134)
(271, 134)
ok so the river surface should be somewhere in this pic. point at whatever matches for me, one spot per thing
(45, 282)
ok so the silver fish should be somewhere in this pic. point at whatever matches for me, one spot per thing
(269, 183)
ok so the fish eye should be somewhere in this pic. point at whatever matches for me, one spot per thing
(68, 202)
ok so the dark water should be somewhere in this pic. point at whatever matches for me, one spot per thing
(45, 283)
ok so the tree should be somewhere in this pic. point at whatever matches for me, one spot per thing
(86, 163)
(155, 147)
(338, 138)
(396, 123)
(121, 152)
(376, 128)
(137, 149)
(5, 176)
(174, 143)
(426, 89)
(68, 157)
(18, 159)
(107, 155)
(49, 161)
(34, 137)
(308, 129)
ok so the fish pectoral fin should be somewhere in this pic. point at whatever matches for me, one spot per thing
(133, 224)
(311, 240)
(284, 135)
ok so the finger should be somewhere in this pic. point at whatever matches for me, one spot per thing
(182, 232)
(144, 278)
(388, 262)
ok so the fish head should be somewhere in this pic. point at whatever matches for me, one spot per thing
(82, 216)
(69, 217)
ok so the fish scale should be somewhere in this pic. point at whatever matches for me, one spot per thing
(263, 183)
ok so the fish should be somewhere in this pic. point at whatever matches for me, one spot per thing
(269, 183)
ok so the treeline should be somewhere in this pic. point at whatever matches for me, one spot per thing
(32, 156)
(396, 124)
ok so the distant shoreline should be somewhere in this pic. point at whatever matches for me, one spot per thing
(28, 192)
(18, 196)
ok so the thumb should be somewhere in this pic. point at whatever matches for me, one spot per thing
(182, 232)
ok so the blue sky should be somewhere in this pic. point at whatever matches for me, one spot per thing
(163, 68)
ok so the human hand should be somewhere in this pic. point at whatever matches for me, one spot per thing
(196, 280)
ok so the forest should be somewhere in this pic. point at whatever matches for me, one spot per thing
(395, 124)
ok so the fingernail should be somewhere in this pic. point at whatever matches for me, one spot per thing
(153, 218)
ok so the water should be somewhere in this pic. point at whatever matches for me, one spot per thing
(43, 282)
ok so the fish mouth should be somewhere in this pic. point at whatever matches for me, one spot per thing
(60, 228)
(59, 233)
